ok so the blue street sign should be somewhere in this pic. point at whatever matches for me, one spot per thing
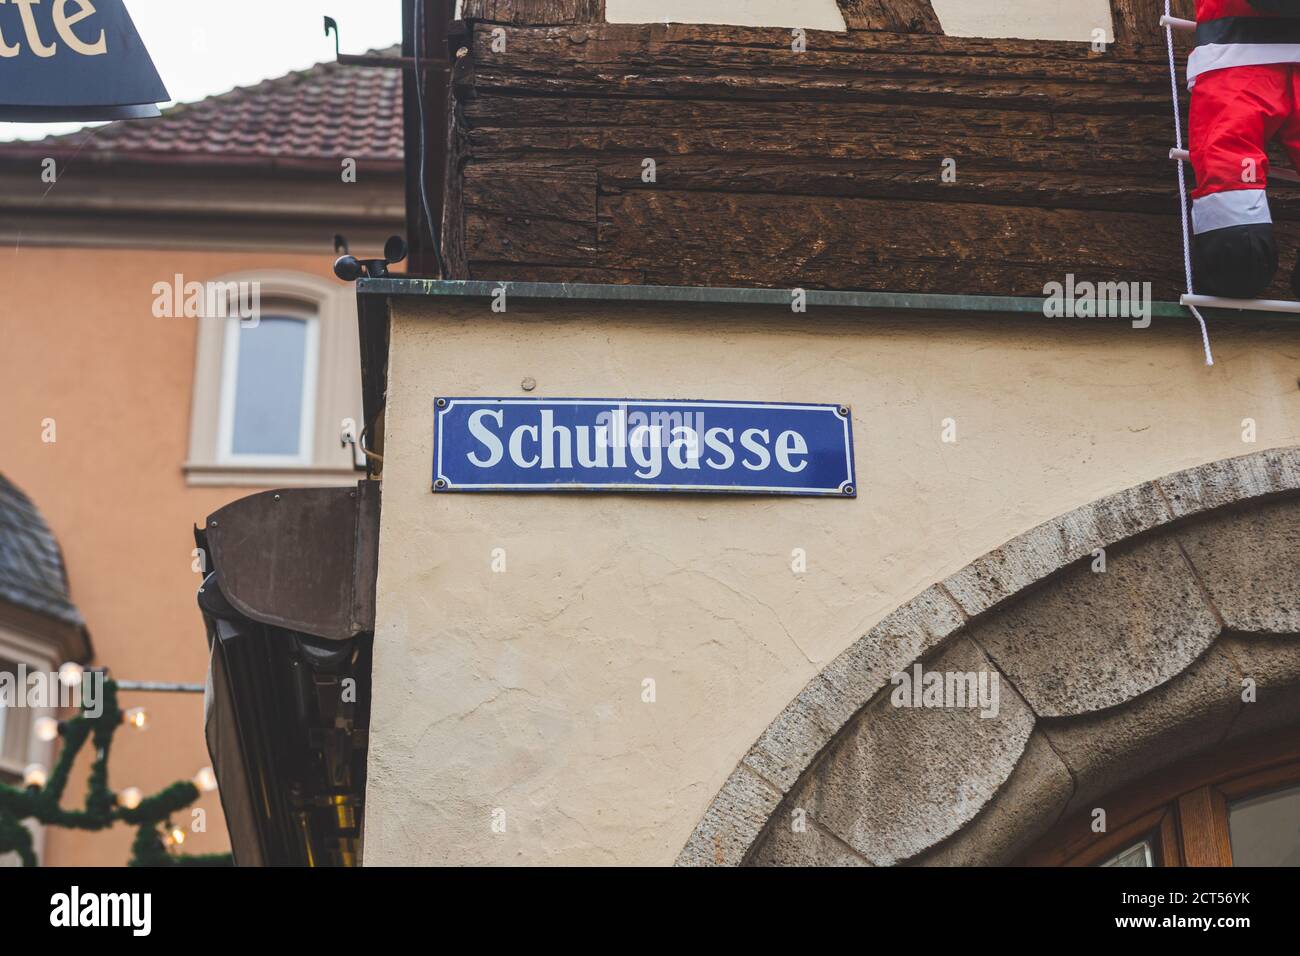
(593, 444)
(70, 60)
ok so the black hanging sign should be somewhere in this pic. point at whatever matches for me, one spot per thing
(74, 60)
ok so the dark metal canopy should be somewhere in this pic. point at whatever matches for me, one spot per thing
(289, 611)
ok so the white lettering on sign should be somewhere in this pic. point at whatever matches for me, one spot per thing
(714, 439)
(791, 443)
(549, 446)
(666, 445)
(485, 437)
(63, 24)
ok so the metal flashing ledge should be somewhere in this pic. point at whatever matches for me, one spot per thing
(721, 295)
(370, 289)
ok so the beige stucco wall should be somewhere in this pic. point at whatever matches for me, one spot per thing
(812, 14)
(523, 690)
(1026, 19)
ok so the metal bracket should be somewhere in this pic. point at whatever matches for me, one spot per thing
(373, 59)
(332, 26)
(1244, 305)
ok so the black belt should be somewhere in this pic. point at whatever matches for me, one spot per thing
(1248, 30)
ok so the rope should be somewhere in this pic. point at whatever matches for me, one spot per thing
(1182, 185)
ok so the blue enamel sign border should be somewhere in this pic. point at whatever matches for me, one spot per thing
(830, 455)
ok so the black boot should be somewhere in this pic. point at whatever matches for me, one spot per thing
(1295, 279)
(1236, 262)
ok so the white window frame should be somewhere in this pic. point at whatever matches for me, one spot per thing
(335, 387)
(16, 754)
(19, 647)
(298, 312)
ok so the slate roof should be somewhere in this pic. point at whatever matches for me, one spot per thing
(32, 574)
(317, 115)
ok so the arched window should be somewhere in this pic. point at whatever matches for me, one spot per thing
(1239, 808)
(40, 629)
(275, 384)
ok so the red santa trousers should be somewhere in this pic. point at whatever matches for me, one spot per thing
(1244, 73)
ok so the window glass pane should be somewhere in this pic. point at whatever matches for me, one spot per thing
(1265, 831)
(1137, 855)
(268, 388)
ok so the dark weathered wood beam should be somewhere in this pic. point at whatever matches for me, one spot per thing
(893, 16)
(535, 12)
(822, 169)
(1137, 22)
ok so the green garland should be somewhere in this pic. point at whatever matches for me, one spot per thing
(101, 809)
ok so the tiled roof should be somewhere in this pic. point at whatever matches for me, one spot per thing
(320, 114)
(32, 574)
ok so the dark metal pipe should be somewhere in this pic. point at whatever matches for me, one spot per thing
(433, 77)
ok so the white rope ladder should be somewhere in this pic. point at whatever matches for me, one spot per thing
(1166, 22)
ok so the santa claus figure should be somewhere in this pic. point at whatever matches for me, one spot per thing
(1244, 74)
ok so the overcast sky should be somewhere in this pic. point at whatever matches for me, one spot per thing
(203, 47)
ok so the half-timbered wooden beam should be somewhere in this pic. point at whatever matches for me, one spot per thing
(893, 16)
(536, 12)
(1137, 22)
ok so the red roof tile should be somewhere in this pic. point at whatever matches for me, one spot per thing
(323, 113)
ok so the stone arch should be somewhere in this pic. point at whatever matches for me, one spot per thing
(1104, 677)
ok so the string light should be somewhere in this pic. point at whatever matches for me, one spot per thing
(46, 729)
(34, 775)
(71, 673)
(137, 718)
(206, 780)
(37, 795)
